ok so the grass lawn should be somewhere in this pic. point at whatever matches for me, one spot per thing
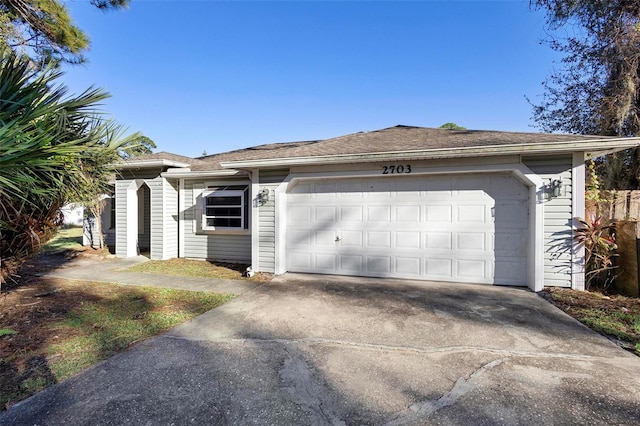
(65, 239)
(198, 268)
(51, 329)
(617, 317)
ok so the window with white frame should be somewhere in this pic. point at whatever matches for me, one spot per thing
(225, 208)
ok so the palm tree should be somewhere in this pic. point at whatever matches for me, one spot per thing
(47, 142)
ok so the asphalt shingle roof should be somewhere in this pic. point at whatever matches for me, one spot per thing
(392, 139)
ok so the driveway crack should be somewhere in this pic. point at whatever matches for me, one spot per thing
(392, 348)
(422, 410)
(313, 397)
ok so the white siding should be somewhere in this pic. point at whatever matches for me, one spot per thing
(121, 216)
(170, 217)
(557, 218)
(269, 179)
(214, 246)
(156, 215)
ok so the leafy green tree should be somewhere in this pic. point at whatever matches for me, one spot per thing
(53, 148)
(44, 30)
(597, 88)
(452, 126)
(139, 145)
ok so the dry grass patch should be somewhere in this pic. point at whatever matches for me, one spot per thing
(52, 329)
(198, 268)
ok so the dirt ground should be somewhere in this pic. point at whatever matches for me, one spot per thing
(615, 316)
(28, 305)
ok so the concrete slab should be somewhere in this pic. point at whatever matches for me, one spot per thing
(315, 350)
(113, 270)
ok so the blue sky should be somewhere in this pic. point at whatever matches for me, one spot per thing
(221, 75)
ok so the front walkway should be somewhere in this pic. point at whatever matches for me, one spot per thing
(113, 270)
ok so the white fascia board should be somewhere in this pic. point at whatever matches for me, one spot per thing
(148, 164)
(204, 174)
(611, 145)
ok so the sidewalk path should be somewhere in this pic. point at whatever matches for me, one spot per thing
(114, 271)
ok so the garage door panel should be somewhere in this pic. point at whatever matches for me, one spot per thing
(410, 213)
(511, 244)
(378, 239)
(467, 228)
(378, 214)
(509, 273)
(300, 238)
(300, 262)
(325, 238)
(325, 262)
(470, 241)
(300, 213)
(510, 213)
(407, 266)
(378, 264)
(352, 264)
(351, 214)
(472, 213)
(407, 240)
(439, 268)
(471, 269)
(439, 213)
(326, 214)
(352, 239)
(439, 240)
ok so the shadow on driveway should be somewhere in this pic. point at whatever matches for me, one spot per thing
(328, 350)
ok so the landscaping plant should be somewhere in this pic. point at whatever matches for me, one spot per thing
(598, 238)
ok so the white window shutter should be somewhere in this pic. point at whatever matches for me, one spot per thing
(198, 188)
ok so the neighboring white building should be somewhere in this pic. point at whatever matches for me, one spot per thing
(89, 234)
(73, 214)
(407, 202)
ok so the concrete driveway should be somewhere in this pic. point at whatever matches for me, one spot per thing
(314, 350)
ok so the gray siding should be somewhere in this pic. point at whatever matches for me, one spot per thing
(212, 246)
(155, 217)
(170, 213)
(267, 224)
(267, 233)
(121, 216)
(557, 218)
(273, 176)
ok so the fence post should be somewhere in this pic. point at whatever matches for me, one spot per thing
(627, 281)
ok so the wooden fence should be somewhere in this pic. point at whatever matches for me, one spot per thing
(615, 205)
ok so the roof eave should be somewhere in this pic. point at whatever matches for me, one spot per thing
(149, 164)
(203, 174)
(609, 145)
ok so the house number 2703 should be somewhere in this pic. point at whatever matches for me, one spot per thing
(396, 170)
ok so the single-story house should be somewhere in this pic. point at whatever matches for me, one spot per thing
(406, 202)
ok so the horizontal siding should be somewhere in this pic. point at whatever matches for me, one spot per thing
(267, 226)
(214, 246)
(121, 217)
(170, 220)
(273, 176)
(558, 217)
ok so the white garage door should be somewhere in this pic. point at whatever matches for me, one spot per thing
(466, 228)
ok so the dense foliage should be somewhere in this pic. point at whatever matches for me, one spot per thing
(597, 88)
(53, 148)
(44, 30)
